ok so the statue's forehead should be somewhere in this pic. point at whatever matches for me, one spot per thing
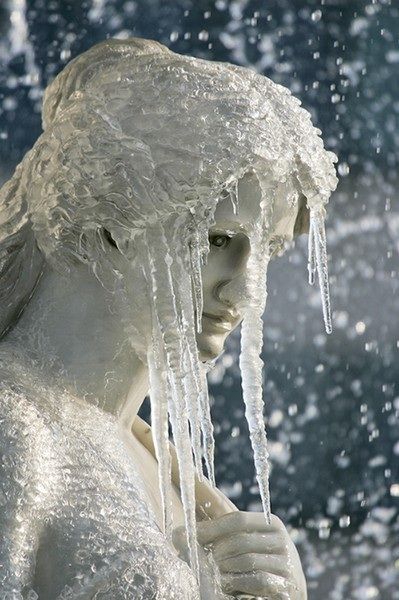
(249, 198)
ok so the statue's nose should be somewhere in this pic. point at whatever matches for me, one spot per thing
(233, 292)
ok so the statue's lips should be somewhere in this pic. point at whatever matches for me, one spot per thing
(219, 323)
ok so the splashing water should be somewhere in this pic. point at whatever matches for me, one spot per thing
(19, 40)
(145, 142)
(96, 12)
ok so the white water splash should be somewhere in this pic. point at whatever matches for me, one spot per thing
(96, 12)
(18, 36)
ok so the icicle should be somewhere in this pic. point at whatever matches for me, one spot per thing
(234, 197)
(177, 411)
(159, 412)
(194, 382)
(192, 405)
(199, 411)
(320, 244)
(202, 411)
(159, 418)
(171, 331)
(159, 423)
(207, 429)
(311, 254)
(251, 371)
(251, 363)
(195, 259)
(198, 403)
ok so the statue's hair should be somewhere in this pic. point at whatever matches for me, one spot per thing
(134, 132)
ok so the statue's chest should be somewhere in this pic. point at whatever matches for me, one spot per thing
(119, 465)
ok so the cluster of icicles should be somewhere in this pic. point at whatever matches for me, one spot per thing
(178, 384)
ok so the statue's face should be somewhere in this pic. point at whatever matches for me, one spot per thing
(224, 274)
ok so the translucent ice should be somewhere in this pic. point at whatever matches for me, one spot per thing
(318, 259)
(251, 347)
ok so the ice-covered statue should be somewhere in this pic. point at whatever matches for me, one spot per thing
(134, 237)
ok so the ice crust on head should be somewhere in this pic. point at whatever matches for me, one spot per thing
(143, 142)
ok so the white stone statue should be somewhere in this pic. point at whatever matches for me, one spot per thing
(134, 237)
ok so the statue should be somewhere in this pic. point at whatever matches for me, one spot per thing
(134, 237)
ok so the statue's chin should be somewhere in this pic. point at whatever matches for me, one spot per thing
(210, 347)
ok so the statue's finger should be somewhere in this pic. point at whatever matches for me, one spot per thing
(276, 564)
(247, 543)
(259, 583)
(234, 522)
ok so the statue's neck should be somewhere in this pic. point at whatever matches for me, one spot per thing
(69, 329)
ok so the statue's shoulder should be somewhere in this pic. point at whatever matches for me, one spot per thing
(28, 471)
(22, 424)
(24, 411)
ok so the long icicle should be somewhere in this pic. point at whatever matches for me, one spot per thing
(207, 428)
(159, 424)
(251, 363)
(171, 330)
(192, 406)
(181, 436)
(311, 253)
(200, 371)
(320, 244)
(200, 385)
(195, 259)
(199, 376)
(159, 411)
(251, 372)
(181, 272)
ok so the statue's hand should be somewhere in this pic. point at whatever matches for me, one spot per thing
(254, 558)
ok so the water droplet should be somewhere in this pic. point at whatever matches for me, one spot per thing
(316, 15)
(335, 98)
(203, 36)
(394, 490)
(344, 521)
(324, 533)
(360, 327)
(343, 168)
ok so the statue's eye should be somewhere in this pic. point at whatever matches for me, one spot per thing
(221, 241)
(109, 238)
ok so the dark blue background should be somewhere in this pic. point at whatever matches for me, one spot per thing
(332, 402)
